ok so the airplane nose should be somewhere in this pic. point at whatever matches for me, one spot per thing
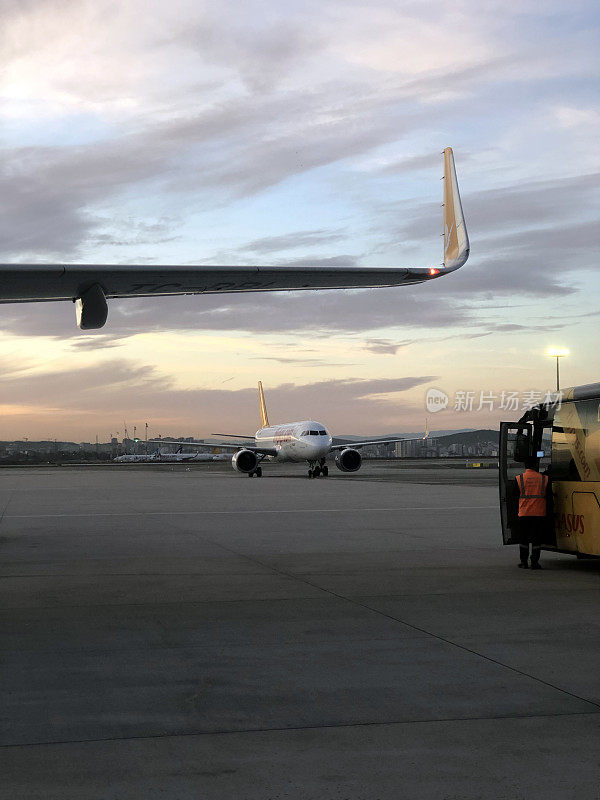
(322, 448)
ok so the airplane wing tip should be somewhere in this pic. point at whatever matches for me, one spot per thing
(456, 238)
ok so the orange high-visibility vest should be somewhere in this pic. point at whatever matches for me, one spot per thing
(532, 488)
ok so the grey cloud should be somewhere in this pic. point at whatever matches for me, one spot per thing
(130, 232)
(520, 205)
(425, 161)
(573, 246)
(551, 239)
(220, 154)
(413, 163)
(289, 241)
(330, 261)
(386, 346)
(306, 314)
(118, 388)
(97, 341)
(304, 362)
(262, 57)
(310, 312)
(513, 327)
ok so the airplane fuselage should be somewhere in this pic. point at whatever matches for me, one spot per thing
(296, 441)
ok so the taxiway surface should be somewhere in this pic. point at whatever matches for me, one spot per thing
(182, 633)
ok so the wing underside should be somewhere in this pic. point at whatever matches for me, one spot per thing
(22, 283)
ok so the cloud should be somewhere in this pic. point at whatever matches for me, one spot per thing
(98, 341)
(513, 327)
(117, 389)
(53, 189)
(317, 313)
(386, 346)
(524, 205)
(292, 241)
(304, 362)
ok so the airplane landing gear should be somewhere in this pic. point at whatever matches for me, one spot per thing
(317, 470)
(257, 472)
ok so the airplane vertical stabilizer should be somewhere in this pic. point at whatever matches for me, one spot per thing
(264, 417)
(456, 239)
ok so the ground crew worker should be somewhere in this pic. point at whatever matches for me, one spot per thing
(532, 488)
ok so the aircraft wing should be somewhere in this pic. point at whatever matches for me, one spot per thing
(235, 435)
(355, 445)
(89, 285)
(266, 451)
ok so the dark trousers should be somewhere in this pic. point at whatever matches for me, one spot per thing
(531, 532)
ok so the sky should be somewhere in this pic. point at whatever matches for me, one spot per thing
(196, 132)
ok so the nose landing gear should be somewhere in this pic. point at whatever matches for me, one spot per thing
(318, 469)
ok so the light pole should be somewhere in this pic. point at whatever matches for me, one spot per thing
(558, 353)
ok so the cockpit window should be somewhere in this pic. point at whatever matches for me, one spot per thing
(323, 433)
(313, 433)
(304, 433)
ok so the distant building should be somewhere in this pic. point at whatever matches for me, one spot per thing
(415, 448)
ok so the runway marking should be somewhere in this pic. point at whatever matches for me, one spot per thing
(244, 513)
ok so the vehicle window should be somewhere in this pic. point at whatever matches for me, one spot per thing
(576, 441)
(313, 433)
(323, 433)
(304, 433)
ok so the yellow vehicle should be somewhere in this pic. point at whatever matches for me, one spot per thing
(565, 437)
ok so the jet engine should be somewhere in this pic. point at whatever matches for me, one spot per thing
(348, 460)
(245, 461)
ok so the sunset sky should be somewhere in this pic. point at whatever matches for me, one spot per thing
(191, 132)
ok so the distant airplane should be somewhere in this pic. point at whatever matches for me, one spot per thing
(158, 455)
(89, 285)
(291, 441)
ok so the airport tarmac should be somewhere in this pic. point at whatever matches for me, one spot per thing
(187, 632)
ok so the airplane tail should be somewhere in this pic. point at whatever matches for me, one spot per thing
(264, 417)
(456, 239)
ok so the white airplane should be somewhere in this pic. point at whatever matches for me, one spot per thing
(292, 441)
(89, 285)
(128, 458)
(179, 456)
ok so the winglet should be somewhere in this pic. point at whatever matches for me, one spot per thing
(264, 417)
(456, 239)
